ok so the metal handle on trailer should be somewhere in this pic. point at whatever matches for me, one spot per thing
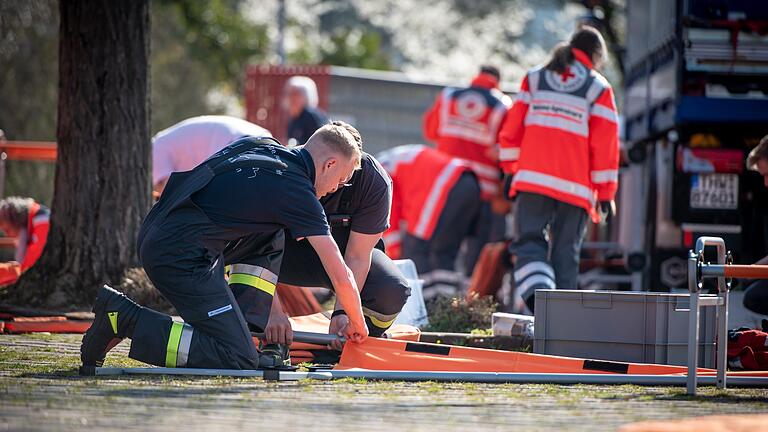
(698, 270)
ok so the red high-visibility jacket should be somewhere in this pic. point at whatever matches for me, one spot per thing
(560, 139)
(422, 178)
(464, 123)
(36, 237)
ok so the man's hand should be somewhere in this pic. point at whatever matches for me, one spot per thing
(278, 329)
(607, 210)
(355, 333)
(338, 326)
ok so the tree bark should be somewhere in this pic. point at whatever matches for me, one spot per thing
(102, 186)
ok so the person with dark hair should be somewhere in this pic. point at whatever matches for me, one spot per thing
(756, 295)
(465, 123)
(560, 146)
(28, 222)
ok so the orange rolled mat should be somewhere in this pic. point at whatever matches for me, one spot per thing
(386, 354)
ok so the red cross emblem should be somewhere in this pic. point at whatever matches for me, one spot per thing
(567, 74)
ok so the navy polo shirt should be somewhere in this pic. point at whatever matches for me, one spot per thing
(369, 198)
(267, 200)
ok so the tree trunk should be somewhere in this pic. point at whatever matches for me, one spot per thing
(102, 187)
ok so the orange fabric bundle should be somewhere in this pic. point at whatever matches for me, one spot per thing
(297, 301)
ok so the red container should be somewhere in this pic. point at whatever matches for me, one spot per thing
(264, 89)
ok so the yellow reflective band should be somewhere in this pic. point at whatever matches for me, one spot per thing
(250, 280)
(379, 323)
(173, 344)
(113, 320)
(227, 270)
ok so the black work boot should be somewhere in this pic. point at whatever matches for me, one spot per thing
(275, 356)
(114, 319)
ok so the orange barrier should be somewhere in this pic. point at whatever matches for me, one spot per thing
(386, 354)
(66, 326)
(39, 319)
(41, 151)
(746, 271)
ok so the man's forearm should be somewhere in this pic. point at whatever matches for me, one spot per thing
(360, 269)
(277, 307)
(341, 276)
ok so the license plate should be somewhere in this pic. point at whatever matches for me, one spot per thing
(715, 191)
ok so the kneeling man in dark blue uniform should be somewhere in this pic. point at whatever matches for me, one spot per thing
(254, 191)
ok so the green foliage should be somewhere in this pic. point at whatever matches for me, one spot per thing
(457, 315)
(219, 36)
(29, 71)
(355, 48)
(28, 89)
(199, 48)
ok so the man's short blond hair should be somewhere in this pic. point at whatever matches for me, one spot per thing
(343, 138)
(757, 153)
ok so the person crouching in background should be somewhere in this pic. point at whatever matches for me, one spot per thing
(27, 221)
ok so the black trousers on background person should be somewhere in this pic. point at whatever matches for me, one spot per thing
(435, 258)
(549, 236)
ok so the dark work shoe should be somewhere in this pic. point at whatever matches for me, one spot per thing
(275, 356)
(114, 319)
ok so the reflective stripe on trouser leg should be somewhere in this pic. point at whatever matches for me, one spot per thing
(441, 283)
(179, 340)
(381, 321)
(254, 289)
(532, 276)
(254, 276)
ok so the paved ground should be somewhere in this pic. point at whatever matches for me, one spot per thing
(40, 391)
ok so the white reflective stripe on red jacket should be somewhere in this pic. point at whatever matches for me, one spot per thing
(466, 128)
(438, 189)
(487, 175)
(605, 176)
(604, 112)
(509, 154)
(555, 183)
(524, 97)
(554, 121)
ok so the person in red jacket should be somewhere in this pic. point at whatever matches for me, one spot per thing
(560, 144)
(464, 123)
(26, 220)
(435, 204)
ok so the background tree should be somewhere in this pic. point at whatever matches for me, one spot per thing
(102, 187)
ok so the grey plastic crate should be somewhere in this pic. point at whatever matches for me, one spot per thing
(637, 327)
